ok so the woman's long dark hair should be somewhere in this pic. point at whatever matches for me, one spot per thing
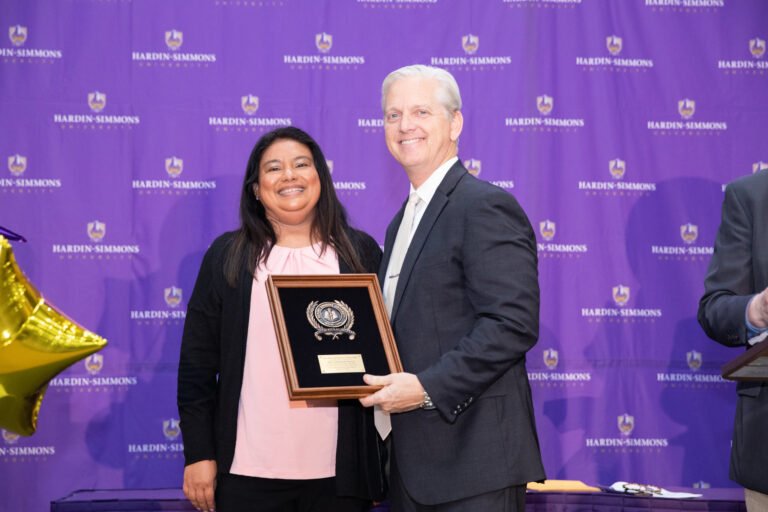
(255, 238)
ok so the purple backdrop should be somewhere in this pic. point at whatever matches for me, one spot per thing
(126, 125)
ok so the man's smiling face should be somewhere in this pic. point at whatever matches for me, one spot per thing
(420, 133)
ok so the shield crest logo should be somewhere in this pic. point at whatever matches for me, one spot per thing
(473, 166)
(545, 104)
(547, 229)
(171, 429)
(614, 44)
(17, 164)
(757, 47)
(686, 108)
(617, 168)
(172, 296)
(10, 437)
(324, 42)
(97, 101)
(250, 104)
(621, 295)
(96, 231)
(94, 363)
(694, 360)
(174, 39)
(470, 43)
(759, 166)
(626, 424)
(17, 35)
(174, 166)
(689, 233)
(551, 358)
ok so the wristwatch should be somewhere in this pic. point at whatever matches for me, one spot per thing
(427, 404)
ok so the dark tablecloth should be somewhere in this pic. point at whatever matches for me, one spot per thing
(136, 500)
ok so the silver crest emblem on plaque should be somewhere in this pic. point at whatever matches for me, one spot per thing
(331, 319)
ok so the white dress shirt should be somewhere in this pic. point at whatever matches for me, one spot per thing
(427, 190)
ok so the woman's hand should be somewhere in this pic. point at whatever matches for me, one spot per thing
(200, 484)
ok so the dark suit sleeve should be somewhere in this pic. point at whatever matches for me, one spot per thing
(501, 284)
(728, 285)
(199, 362)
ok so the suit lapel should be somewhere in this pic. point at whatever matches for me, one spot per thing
(436, 205)
(389, 241)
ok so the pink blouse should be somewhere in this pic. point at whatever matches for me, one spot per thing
(277, 438)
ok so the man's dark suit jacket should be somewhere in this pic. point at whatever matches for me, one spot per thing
(739, 269)
(465, 313)
(211, 376)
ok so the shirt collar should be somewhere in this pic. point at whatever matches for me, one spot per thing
(429, 187)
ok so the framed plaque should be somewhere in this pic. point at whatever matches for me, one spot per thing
(331, 329)
(751, 365)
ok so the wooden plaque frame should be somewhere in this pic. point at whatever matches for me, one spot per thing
(295, 337)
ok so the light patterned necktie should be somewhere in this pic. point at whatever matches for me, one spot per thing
(400, 247)
(402, 241)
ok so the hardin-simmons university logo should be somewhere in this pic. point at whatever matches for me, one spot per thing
(757, 47)
(172, 296)
(10, 437)
(96, 231)
(545, 104)
(614, 44)
(694, 360)
(470, 43)
(686, 107)
(17, 35)
(551, 358)
(94, 363)
(17, 164)
(759, 166)
(473, 166)
(250, 104)
(324, 42)
(174, 39)
(626, 424)
(171, 429)
(689, 232)
(621, 295)
(547, 229)
(174, 166)
(617, 167)
(97, 101)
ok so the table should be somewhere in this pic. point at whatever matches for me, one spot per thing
(141, 500)
(719, 500)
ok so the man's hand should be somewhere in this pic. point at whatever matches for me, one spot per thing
(401, 392)
(757, 313)
(200, 484)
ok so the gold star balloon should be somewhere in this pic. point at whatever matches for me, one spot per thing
(37, 342)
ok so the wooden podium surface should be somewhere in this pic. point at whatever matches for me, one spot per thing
(752, 365)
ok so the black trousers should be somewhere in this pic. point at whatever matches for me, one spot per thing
(235, 493)
(510, 499)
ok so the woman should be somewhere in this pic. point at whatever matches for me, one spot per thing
(244, 442)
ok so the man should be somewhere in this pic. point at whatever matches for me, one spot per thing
(460, 281)
(734, 312)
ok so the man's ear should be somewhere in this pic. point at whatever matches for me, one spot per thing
(457, 123)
